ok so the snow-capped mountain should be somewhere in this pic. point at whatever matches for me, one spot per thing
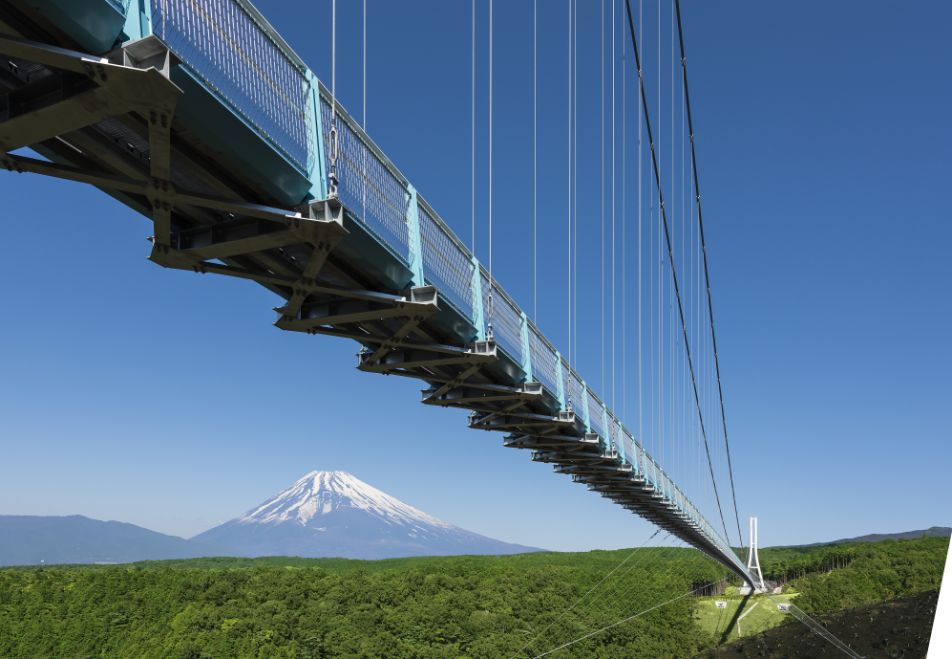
(324, 492)
(333, 513)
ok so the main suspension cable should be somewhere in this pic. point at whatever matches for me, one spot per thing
(707, 276)
(624, 620)
(816, 627)
(674, 274)
(580, 599)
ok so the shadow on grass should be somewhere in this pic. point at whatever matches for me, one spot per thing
(733, 622)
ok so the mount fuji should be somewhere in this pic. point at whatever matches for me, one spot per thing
(333, 513)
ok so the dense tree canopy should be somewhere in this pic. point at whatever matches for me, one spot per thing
(426, 607)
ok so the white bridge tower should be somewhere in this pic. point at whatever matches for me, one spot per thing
(753, 560)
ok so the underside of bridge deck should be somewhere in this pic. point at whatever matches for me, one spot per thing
(111, 122)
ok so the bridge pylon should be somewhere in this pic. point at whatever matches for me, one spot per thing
(753, 559)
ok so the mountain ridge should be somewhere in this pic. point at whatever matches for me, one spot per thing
(932, 531)
(35, 539)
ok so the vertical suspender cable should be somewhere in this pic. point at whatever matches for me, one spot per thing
(575, 178)
(569, 207)
(673, 362)
(707, 276)
(683, 260)
(613, 206)
(333, 65)
(641, 430)
(535, 158)
(661, 347)
(492, 282)
(472, 143)
(697, 314)
(674, 274)
(365, 66)
(602, 194)
(332, 174)
(624, 234)
(363, 186)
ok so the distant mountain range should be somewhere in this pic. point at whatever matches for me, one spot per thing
(323, 514)
(26, 540)
(933, 531)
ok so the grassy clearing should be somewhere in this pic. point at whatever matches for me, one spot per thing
(759, 613)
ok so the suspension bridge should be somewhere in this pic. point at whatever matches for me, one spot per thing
(199, 116)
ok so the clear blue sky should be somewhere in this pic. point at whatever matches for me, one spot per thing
(167, 399)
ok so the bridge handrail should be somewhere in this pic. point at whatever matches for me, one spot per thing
(369, 184)
(273, 98)
(452, 272)
(545, 360)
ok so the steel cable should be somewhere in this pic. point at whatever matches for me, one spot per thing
(707, 276)
(674, 274)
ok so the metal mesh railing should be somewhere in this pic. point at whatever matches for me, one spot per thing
(507, 325)
(545, 362)
(597, 415)
(230, 51)
(506, 320)
(575, 392)
(367, 186)
(627, 448)
(446, 265)
(664, 485)
(615, 436)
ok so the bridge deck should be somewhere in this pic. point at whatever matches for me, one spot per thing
(201, 118)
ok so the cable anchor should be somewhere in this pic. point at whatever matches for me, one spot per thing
(332, 179)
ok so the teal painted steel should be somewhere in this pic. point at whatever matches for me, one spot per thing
(561, 371)
(227, 137)
(96, 25)
(479, 319)
(526, 349)
(317, 168)
(415, 256)
(138, 22)
(586, 412)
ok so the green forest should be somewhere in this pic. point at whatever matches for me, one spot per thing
(465, 606)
